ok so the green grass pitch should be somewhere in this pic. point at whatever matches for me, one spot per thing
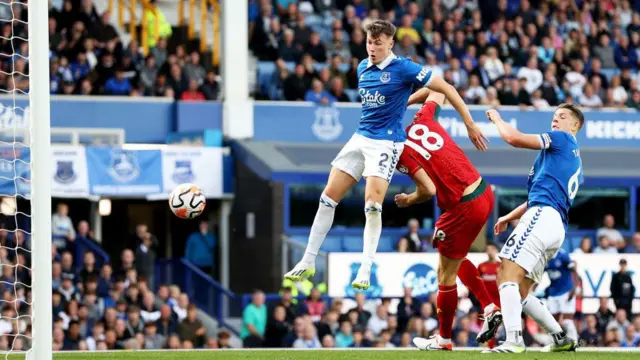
(333, 355)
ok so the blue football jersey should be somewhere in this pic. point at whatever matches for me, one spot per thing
(559, 269)
(384, 90)
(556, 174)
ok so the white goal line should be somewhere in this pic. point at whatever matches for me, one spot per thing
(470, 349)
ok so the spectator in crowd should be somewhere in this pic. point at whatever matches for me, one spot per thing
(591, 335)
(191, 328)
(604, 246)
(62, 228)
(277, 328)
(193, 93)
(585, 246)
(318, 95)
(414, 240)
(315, 306)
(309, 338)
(618, 325)
(609, 230)
(634, 246)
(210, 87)
(378, 321)
(622, 288)
(254, 321)
(200, 247)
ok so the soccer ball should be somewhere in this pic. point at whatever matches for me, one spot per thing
(187, 201)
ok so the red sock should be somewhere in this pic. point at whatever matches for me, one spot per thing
(470, 277)
(447, 305)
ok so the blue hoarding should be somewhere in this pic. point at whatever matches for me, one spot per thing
(303, 122)
(145, 120)
(114, 171)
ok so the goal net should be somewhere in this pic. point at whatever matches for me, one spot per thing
(25, 196)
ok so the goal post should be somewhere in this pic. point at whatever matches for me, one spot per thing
(41, 175)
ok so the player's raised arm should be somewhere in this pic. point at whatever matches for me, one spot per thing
(503, 221)
(425, 190)
(419, 96)
(475, 134)
(514, 137)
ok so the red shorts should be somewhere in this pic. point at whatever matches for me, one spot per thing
(459, 227)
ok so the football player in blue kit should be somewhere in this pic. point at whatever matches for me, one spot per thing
(552, 186)
(561, 299)
(385, 83)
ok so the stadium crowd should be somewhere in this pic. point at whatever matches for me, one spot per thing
(314, 321)
(97, 305)
(506, 52)
(88, 57)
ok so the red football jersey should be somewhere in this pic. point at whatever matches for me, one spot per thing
(489, 273)
(430, 147)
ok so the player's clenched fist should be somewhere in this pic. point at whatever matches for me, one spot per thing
(493, 115)
(402, 200)
(500, 226)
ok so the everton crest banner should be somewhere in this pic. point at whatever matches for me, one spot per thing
(198, 165)
(121, 172)
(70, 177)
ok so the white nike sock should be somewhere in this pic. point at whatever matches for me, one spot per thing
(372, 231)
(570, 328)
(533, 307)
(321, 226)
(511, 311)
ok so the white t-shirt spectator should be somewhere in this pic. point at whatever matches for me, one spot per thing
(620, 95)
(61, 226)
(377, 324)
(576, 82)
(609, 250)
(613, 234)
(475, 94)
(534, 78)
(495, 68)
(540, 103)
(591, 101)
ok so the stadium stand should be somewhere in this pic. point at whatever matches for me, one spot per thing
(527, 53)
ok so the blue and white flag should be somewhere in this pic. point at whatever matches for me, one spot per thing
(70, 175)
(198, 165)
(120, 172)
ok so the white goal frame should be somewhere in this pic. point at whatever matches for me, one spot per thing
(40, 145)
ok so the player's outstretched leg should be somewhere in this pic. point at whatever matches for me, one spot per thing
(338, 185)
(470, 277)
(510, 276)
(535, 309)
(375, 191)
(447, 304)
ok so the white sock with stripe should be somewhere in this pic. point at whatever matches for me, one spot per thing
(534, 308)
(511, 311)
(321, 226)
(372, 231)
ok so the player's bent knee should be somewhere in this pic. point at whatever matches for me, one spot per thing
(373, 209)
(510, 272)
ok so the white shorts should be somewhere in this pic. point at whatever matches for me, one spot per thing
(561, 304)
(536, 239)
(362, 156)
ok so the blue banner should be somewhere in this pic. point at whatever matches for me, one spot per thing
(15, 171)
(144, 120)
(303, 122)
(119, 172)
(199, 116)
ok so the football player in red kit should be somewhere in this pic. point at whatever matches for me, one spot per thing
(433, 160)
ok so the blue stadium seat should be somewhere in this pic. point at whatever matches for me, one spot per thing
(352, 243)
(609, 73)
(352, 94)
(386, 244)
